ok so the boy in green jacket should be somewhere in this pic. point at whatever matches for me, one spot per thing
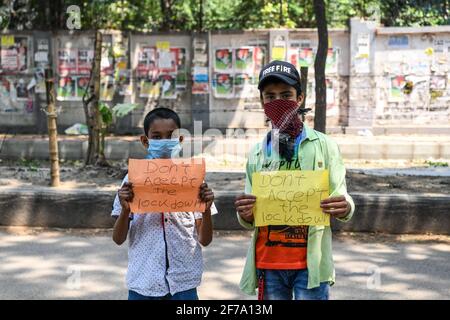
(287, 261)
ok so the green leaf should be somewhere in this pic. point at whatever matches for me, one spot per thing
(122, 109)
(105, 111)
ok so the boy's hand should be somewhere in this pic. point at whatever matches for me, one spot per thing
(126, 196)
(244, 204)
(336, 207)
(206, 195)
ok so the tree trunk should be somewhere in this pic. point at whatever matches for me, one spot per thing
(200, 16)
(166, 11)
(51, 123)
(320, 113)
(95, 154)
(304, 86)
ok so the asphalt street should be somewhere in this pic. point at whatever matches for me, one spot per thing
(57, 264)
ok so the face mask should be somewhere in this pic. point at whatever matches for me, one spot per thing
(163, 149)
(284, 116)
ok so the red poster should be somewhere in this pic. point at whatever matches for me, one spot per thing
(67, 62)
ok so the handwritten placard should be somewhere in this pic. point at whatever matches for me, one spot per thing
(290, 197)
(166, 185)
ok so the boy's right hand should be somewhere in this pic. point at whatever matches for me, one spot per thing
(126, 196)
(244, 204)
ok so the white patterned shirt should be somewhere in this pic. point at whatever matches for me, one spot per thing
(164, 255)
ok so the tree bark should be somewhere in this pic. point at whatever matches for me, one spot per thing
(95, 154)
(319, 67)
(166, 11)
(52, 128)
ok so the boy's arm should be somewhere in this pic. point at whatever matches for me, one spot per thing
(205, 228)
(203, 220)
(121, 211)
(121, 227)
(338, 185)
(248, 190)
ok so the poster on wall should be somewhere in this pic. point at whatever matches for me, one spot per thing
(168, 88)
(181, 80)
(244, 86)
(293, 57)
(244, 59)
(5, 95)
(181, 69)
(396, 88)
(332, 106)
(106, 62)
(67, 88)
(146, 63)
(398, 42)
(168, 60)
(39, 75)
(200, 87)
(41, 56)
(310, 92)
(223, 85)
(82, 86)
(223, 60)
(67, 61)
(260, 58)
(148, 89)
(330, 92)
(21, 89)
(438, 82)
(361, 59)
(305, 57)
(14, 54)
(200, 80)
(85, 60)
(362, 65)
(331, 65)
(124, 83)
(107, 89)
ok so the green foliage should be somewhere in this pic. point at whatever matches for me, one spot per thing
(151, 15)
(122, 109)
(437, 164)
(118, 111)
(105, 111)
(32, 165)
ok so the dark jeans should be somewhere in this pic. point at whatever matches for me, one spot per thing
(282, 284)
(190, 294)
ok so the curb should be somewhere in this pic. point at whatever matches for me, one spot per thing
(87, 208)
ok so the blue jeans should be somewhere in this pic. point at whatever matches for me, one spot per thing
(281, 284)
(190, 294)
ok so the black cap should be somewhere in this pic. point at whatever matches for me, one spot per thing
(281, 70)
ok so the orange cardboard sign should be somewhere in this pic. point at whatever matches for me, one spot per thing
(166, 185)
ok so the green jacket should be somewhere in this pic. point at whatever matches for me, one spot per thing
(316, 152)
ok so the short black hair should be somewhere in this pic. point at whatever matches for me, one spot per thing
(160, 113)
(274, 80)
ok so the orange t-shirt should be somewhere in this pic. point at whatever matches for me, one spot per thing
(281, 247)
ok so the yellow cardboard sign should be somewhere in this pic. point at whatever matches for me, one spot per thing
(290, 197)
(7, 41)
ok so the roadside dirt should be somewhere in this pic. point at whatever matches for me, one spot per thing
(76, 175)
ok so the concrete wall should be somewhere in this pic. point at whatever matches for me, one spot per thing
(365, 85)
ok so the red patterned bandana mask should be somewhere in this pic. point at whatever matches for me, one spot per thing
(284, 116)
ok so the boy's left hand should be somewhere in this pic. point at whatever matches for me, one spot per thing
(206, 195)
(336, 207)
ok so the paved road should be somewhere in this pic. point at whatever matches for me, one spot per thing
(72, 265)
